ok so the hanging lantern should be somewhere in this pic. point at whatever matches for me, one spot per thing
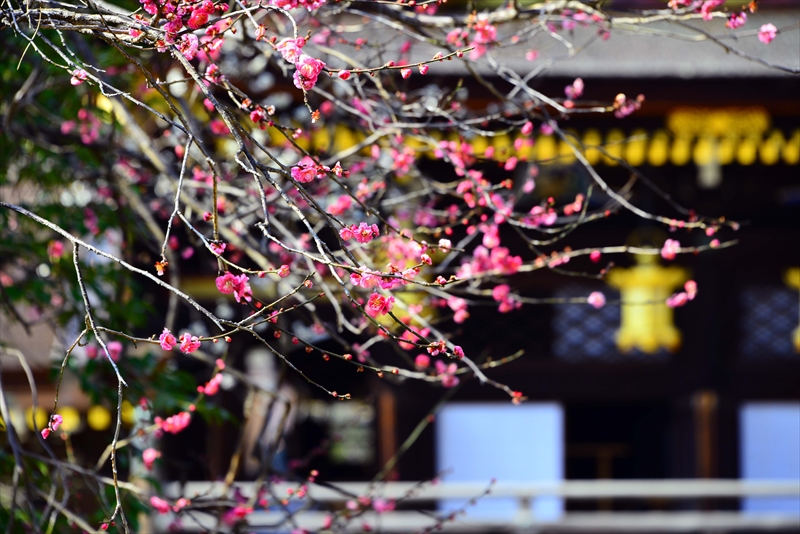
(792, 279)
(646, 319)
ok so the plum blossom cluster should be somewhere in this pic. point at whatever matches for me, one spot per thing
(52, 425)
(670, 249)
(497, 260)
(459, 307)
(238, 285)
(541, 216)
(736, 20)
(680, 299)
(624, 106)
(175, 423)
(502, 294)
(87, 126)
(212, 386)
(575, 90)
(162, 507)
(236, 514)
(705, 7)
(307, 68)
(178, 15)
(379, 304)
(447, 373)
(310, 5)
(306, 170)
(307, 73)
(369, 279)
(485, 34)
(363, 233)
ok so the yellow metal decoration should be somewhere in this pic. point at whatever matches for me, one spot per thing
(792, 279)
(70, 419)
(689, 141)
(646, 319)
(696, 121)
(41, 418)
(127, 411)
(98, 418)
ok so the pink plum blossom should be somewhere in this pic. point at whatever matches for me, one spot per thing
(447, 373)
(306, 170)
(767, 33)
(691, 289)
(167, 340)
(596, 299)
(291, 49)
(402, 161)
(708, 6)
(308, 69)
(485, 34)
(236, 513)
(160, 505)
(340, 206)
(670, 249)
(677, 300)
(55, 249)
(189, 343)
(736, 20)
(189, 45)
(174, 424)
(363, 233)
(527, 128)
(52, 425)
(114, 349)
(379, 304)
(149, 457)
(198, 19)
(575, 90)
(238, 285)
(212, 386)
(381, 505)
(78, 76)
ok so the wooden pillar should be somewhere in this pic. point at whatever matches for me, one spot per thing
(704, 404)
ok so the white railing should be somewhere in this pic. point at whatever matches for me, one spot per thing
(525, 493)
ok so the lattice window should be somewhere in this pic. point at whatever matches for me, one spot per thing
(582, 333)
(768, 319)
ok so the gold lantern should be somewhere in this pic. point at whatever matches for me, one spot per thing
(646, 318)
(792, 279)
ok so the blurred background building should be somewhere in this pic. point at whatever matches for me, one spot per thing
(720, 137)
